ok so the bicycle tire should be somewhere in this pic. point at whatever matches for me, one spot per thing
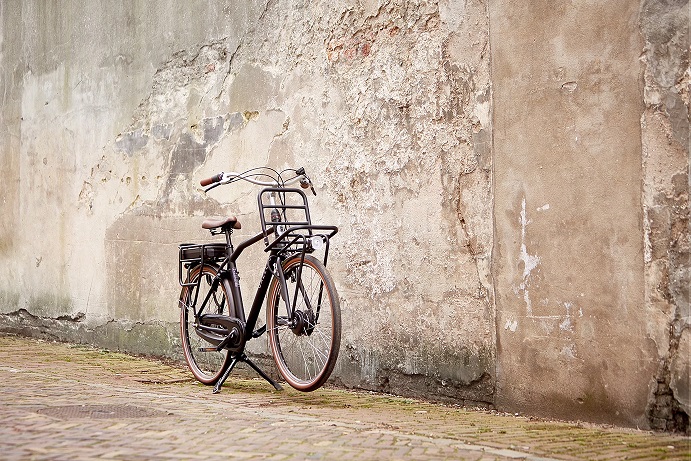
(207, 367)
(305, 353)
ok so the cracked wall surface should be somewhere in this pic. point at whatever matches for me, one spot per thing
(119, 112)
(665, 126)
(510, 182)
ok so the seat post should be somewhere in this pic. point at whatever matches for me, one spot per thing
(228, 231)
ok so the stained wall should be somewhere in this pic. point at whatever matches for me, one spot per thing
(512, 208)
(118, 111)
(591, 259)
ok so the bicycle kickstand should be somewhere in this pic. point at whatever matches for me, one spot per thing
(224, 376)
(261, 372)
(245, 359)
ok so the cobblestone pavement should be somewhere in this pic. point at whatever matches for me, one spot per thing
(61, 401)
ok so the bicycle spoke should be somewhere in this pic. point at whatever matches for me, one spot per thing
(312, 357)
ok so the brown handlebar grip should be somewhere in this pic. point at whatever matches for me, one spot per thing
(211, 180)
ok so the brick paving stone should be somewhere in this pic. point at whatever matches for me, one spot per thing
(61, 401)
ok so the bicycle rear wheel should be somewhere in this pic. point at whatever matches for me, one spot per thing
(306, 348)
(206, 366)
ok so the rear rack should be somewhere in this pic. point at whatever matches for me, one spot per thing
(294, 232)
(193, 254)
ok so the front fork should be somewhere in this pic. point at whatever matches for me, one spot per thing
(292, 319)
(283, 287)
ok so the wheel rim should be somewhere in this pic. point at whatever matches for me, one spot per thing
(303, 350)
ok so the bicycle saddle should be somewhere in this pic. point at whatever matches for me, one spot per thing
(231, 222)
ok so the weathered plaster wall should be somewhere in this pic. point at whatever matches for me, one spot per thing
(74, 77)
(119, 110)
(10, 123)
(591, 256)
(409, 135)
(665, 126)
(513, 234)
(569, 266)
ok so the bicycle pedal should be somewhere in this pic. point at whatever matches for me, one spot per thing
(207, 349)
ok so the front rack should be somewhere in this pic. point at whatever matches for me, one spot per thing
(285, 213)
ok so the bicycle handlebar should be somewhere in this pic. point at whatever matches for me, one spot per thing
(211, 180)
(250, 176)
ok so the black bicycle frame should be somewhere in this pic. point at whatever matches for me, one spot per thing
(294, 236)
(227, 272)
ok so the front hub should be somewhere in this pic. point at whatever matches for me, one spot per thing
(303, 324)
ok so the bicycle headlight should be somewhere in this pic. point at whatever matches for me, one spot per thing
(317, 242)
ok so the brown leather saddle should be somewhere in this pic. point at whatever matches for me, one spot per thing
(230, 222)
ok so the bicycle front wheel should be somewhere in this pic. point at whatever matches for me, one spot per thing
(204, 361)
(305, 347)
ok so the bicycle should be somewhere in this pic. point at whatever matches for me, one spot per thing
(303, 317)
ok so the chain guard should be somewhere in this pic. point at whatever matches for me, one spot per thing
(215, 328)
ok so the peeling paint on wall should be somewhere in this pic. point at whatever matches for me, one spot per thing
(530, 262)
(665, 124)
(225, 104)
(493, 233)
